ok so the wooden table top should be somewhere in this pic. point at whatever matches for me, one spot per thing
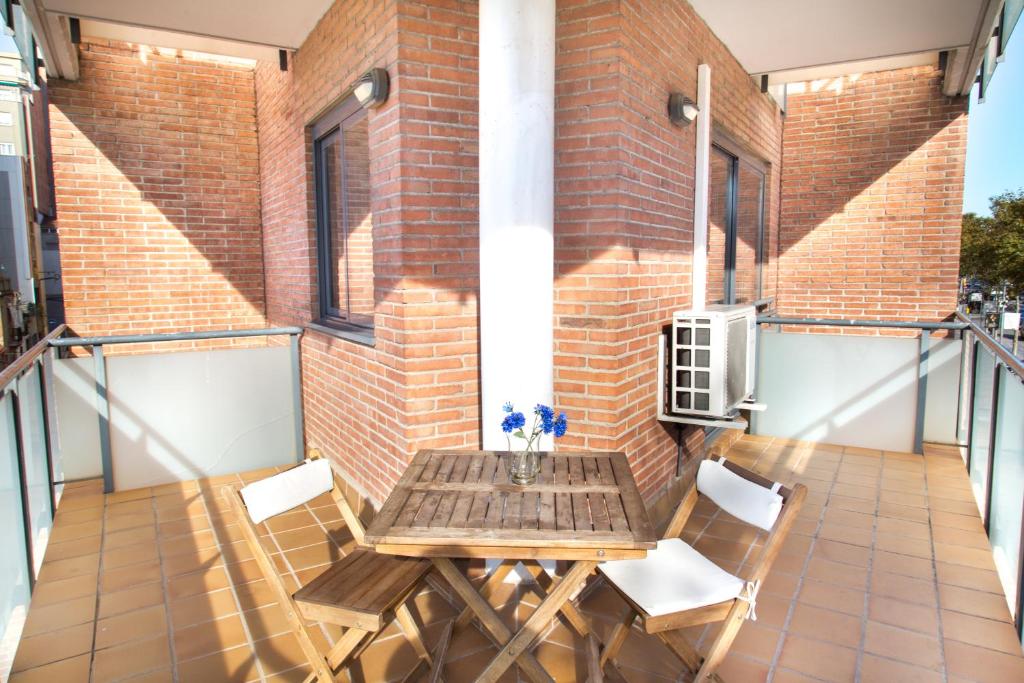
(461, 504)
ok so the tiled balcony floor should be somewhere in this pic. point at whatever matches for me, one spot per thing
(888, 576)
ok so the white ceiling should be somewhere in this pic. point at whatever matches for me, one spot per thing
(268, 23)
(780, 35)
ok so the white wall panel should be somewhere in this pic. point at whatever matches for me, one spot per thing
(840, 389)
(943, 391)
(78, 433)
(178, 416)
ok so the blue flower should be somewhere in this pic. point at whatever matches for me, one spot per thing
(512, 422)
(507, 407)
(561, 424)
(547, 417)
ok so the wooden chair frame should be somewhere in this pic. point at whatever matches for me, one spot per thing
(354, 639)
(732, 612)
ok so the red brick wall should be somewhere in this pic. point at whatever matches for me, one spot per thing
(624, 212)
(156, 170)
(372, 407)
(872, 197)
(623, 232)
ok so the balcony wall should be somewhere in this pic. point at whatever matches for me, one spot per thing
(157, 189)
(872, 197)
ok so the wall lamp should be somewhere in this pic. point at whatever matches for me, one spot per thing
(372, 88)
(681, 109)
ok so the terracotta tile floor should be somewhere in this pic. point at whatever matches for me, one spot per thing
(888, 576)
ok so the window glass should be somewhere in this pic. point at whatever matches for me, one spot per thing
(718, 223)
(344, 220)
(747, 243)
(735, 229)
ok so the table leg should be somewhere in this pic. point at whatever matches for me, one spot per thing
(518, 647)
(545, 583)
(489, 618)
(492, 582)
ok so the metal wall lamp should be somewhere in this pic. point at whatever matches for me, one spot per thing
(681, 109)
(372, 88)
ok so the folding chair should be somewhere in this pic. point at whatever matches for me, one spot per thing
(676, 587)
(362, 592)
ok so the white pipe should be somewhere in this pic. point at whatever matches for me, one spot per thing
(702, 172)
(517, 113)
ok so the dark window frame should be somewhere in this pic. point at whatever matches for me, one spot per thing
(326, 130)
(736, 157)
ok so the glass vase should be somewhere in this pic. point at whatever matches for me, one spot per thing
(523, 466)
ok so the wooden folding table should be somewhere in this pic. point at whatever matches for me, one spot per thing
(584, 508)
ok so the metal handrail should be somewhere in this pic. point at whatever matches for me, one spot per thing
(836, 322)
(172, 336)
(25, 360)
(1004, 355)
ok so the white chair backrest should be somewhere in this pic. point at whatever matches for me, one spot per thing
(281, 492)
(741, 498)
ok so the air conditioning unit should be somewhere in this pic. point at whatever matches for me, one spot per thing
(711, 360)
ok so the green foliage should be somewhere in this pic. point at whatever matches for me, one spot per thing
(992, 249)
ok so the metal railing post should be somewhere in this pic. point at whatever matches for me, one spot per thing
(922, 391)
(992, 424)
(103, 414)
(970, 404)
(26, 504)
(47, 443)
(300, 440)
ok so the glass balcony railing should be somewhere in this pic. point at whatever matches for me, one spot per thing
(135, 420)
(895, 392)
(991, 426)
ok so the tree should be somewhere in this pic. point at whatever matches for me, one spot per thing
(992, 248)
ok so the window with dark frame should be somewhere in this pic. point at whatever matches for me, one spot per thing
(344, 220)
(735, 228)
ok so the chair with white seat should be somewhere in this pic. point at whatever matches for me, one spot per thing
(362, 592)
(676, 587)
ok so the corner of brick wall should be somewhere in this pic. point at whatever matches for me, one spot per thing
(872, 197)
(157, 188)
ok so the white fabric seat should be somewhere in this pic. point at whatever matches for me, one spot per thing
(745, 500)
(672, 578)
(281, 492)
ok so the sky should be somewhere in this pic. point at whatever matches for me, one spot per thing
(995, 132)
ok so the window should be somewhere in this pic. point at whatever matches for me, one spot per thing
(735, 228)
(344, 221)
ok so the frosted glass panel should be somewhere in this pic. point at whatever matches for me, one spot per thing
(942, 391)
(981, 424)
(965, 389)
(77, 436)
(840, 389)
(37, 477)
(1007, 475)
(184, 415)
(14, 585)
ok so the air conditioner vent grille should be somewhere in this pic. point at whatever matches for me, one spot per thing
(711, 360)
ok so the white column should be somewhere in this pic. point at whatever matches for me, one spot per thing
(700, 189)
(517, 108)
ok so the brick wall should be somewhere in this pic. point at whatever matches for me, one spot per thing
(872, 197)
(157, 187)
(372, 407)
(624, 210)
(623, 224)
